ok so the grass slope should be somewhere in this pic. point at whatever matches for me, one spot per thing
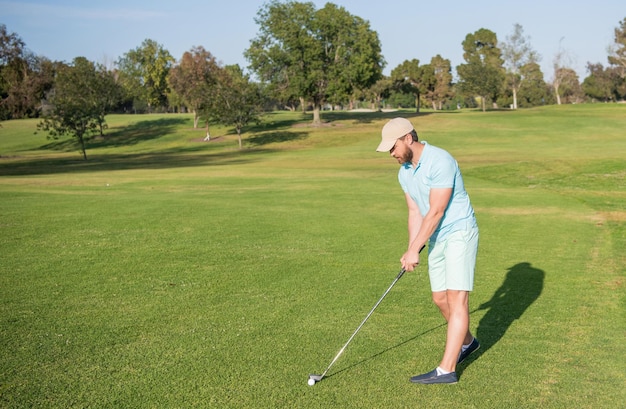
(170, 272)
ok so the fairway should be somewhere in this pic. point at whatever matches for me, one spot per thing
(167, 272)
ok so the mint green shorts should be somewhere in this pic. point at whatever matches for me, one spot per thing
(451, 261)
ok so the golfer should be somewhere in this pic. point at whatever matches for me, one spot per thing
(440, 213)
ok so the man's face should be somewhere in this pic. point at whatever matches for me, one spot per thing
(401, 152)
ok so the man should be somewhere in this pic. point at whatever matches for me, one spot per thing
(440, 212)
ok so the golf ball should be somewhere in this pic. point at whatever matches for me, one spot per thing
(311, 382)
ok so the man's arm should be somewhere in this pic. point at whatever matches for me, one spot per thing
(438, 200)
(415, 219)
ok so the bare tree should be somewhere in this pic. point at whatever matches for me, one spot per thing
(517, 52)
(561, 63)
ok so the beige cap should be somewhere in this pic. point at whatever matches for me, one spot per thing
(392, 131)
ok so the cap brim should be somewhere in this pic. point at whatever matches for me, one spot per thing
(385, 146)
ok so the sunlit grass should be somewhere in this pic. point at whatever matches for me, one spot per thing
(170, 272)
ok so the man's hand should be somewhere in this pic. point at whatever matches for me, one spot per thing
(410, 260)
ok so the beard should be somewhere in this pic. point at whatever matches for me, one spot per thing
(407, 157)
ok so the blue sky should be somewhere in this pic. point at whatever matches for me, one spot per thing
(103, 30)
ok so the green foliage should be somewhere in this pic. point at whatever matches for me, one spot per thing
(167, 272)
(144, 71)
(24, 78)
(318, 55)
(517, 53)
(569, 90)
(400, 100)
(533, 91)
(483, 73)
(194, 79)
(442, 91)
(236, 101)
(76, 109)
(411, 78)
(604, 84)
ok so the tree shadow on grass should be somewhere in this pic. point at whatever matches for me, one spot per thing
(128, 135)
(521, 287)
(160, 160)
(368, 117)
(273, 137)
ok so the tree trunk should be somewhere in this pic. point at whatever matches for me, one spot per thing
(514, 98)
(196, 118)
(81, 140)
(208, 134)
(556, 92)
(316, 114)
(302, 104)
(239, 136)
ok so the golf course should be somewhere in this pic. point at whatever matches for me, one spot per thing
(166, 271)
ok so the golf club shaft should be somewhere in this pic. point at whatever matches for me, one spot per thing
(363, 322)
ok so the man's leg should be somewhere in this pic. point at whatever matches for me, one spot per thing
(451, 264)
(454, 306)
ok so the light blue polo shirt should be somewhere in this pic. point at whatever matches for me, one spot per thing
(438, 169)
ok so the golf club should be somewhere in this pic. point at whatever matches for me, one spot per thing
(316, 378)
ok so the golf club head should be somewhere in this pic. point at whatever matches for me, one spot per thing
(316, 378)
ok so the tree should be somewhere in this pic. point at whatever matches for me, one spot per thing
(194, 78)
(408, 78)
(12, 67)
(517, 53)
(107, 94)
(379, 91)
(569, 89)
(443, 81)
(144, 71)
(601, 84)
(562, 73)
(75, 108)
(532, 90)
(357, 60)
(617, 52)
(428, 84)
(483, 74)
(316, 55)
(24, 78)
(236, 101)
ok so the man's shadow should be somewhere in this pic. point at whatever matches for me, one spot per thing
(521, 287)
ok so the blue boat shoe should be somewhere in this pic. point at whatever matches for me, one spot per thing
(473, 347)
(432, 378)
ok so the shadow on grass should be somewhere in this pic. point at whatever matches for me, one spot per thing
(132, 134)
(274, 137)
(161, 160)
(275, 129)
(521, 287)
(368, 117)
(387, 350)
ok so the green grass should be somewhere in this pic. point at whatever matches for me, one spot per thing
(169, 272)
